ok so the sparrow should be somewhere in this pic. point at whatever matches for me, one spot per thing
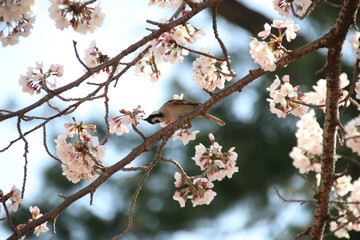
(173, 109)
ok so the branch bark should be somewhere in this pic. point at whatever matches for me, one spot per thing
(333, 71)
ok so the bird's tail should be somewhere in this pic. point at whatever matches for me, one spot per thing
(214, 119)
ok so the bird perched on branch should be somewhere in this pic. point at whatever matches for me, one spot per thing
(173, 109)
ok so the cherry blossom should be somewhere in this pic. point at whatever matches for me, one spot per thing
(166, 3)
(169, 3)
(35, 214)
(352, 135)
(262, 55)
(77, 14)
(79, 152)
(318, 96)
(340, 231)
(17, 19)
(168, 48)
(217, 165)
(355, 197)
(185, 136)
(357, 89)
(37, 77)
(284, 98)
(342, 185)
(93, 56)
(354, 43)
(199, 191)
(203, 193)
(267, 53)
(207, 74)
(283, 7)
(309, 144)
(15, 199)
(127, 117)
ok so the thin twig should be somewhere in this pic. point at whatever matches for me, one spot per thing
(46, 146)
(139, 187)
(138, 132)
(26, 150)
(181, 169)
(352, 85)
(8, 217)
(221, 43)
(78, 57)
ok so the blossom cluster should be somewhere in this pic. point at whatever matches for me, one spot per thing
(94, 57)
(79, 152)
(306, 155)
(318, 96)
(15, 20)
(207, 75)
(283, 7)
(354, 43)
(169, 3)
(117, 124)
(284, 98)
(184, 135)
(199, 191)
(267, 53)
(77, 14)
(348, 216)
(352, 135)
(215, 165)
(168, 48)
(14, 198)
(37, 78)
(35, 214)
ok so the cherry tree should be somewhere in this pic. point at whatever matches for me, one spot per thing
(80, 152)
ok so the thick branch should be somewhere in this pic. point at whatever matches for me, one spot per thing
(333, 70)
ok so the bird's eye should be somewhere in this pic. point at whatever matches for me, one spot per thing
(157, 121)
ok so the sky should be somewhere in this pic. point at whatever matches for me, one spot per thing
(125, 22)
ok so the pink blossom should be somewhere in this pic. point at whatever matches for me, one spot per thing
(203, 193)
(180, 198)
(352, 135)
(343, 185)
(262, 55)
(35, 212)
(283, 7)
(41, 229)
(37, 76)
(165, 3)
(300, 161)
(264, 34)
(339, 232)
(354, 43)
(179, 181)
(185, 136)
(207, 74)
(79, 16)
(357, 89)
(79, 155)
(15, 199)
(280, 102)
(17, 19)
